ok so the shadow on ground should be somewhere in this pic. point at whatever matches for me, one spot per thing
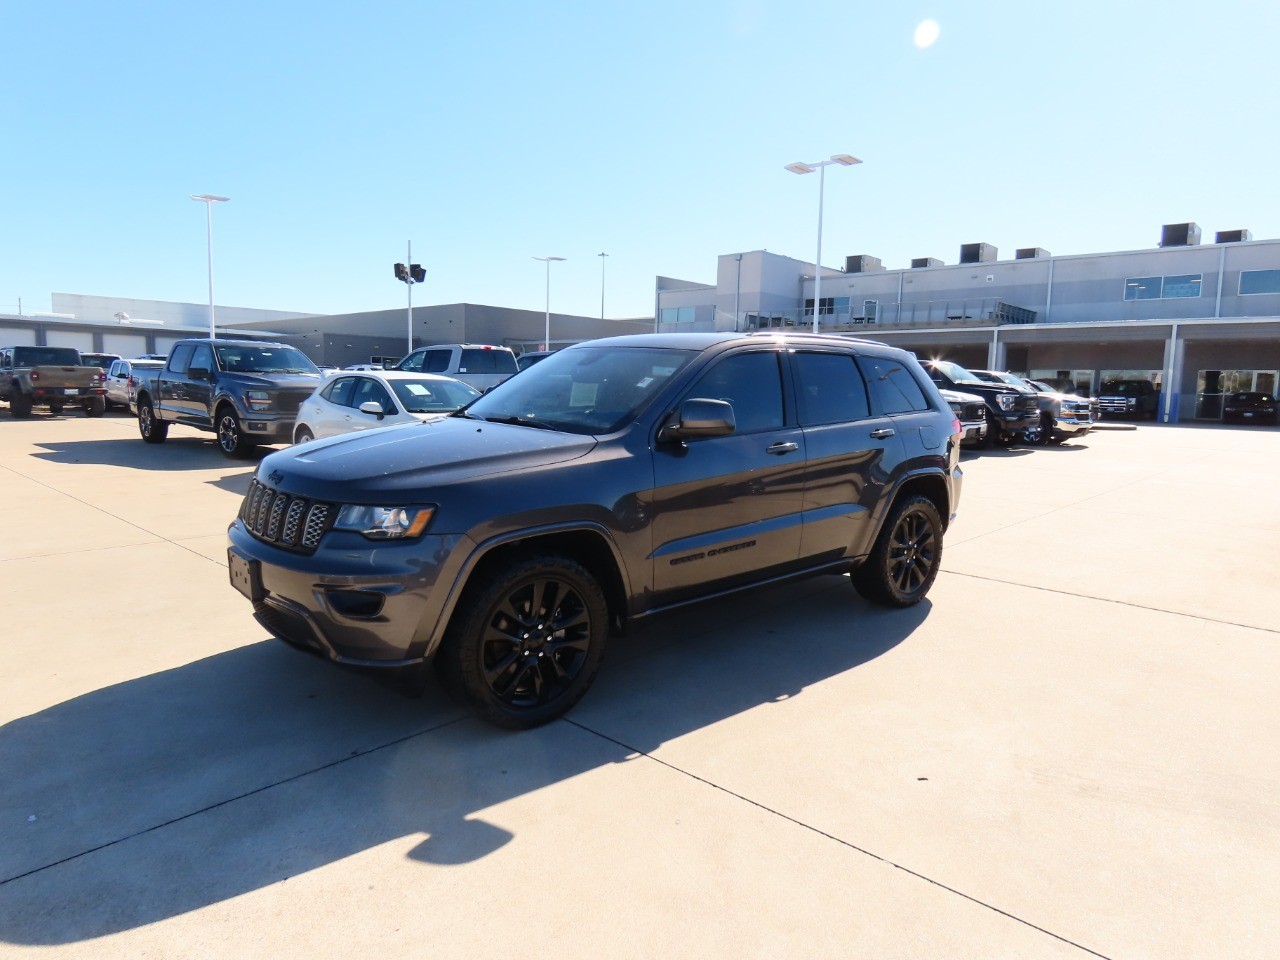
(176, 453)
(175, 791)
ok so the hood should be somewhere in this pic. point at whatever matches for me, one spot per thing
(404, 462)
(274, 381)
(957, 397)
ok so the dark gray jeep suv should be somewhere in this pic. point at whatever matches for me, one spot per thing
(613, 480)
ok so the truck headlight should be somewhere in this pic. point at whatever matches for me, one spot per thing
(258, 400)
(1006, 401)
(384, 523)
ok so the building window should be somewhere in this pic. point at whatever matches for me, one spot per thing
(870, 310)
(828, 307)
(1167, 288)
(1187, 285)
(1259, 281)
(678, 314)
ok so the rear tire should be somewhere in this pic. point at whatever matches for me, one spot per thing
(526, 641)
(95, 407)
(152, 430)
(20, 406)
(904, 561)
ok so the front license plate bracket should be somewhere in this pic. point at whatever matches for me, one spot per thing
(246, 575)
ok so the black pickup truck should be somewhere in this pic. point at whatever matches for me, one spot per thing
(1010, 409)
(245, 391)
(613, 480)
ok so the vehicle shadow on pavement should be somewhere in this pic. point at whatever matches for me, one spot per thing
(177, 453)
(155, 797)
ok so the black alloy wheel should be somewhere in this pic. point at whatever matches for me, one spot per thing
(905, 559)
(526, 641)
(231, 438)
(152, 429)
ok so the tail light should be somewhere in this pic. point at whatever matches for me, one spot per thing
(102, 377)
(955, 426)
(35, 375)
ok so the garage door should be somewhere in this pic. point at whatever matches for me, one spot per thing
(127, 345)
(17, 337)
(69, 338)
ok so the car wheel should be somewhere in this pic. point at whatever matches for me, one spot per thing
(302, 435)
(231, 438)
(526, 641)
(904, 561)
(95, 407)
(152, 430)
(20, 406)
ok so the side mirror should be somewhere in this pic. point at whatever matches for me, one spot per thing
(698, 419)
(373, 408)
(198, 373)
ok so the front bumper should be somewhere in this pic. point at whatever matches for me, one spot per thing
(267, 429)
(353, 601)
(973, 430)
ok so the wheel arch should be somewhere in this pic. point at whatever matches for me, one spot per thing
(927, 484)
(589, 544)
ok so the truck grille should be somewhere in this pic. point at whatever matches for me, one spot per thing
(288, 401)
(1114, 404)
(1030, 404)
(283, 520)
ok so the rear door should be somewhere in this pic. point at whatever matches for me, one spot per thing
(851, 450)
(896, 393)
(729, 509)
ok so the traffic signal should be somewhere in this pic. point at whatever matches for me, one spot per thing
(417, 272)
(401, 273)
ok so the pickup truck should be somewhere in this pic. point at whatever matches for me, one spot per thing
(245, 391)
(1010, 409)
(502, 544)
(1129, 398)
(51, 377)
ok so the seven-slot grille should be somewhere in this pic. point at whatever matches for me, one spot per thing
(286, 521)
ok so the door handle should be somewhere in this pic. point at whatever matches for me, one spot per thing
(882, 433)
(781, 448)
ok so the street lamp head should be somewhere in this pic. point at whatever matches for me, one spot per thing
(549, 259)
(799, 168)
(844, 159)
(208, 198)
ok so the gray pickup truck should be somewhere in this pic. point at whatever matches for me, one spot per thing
(613, 480)
(245, 391)
(51, 377)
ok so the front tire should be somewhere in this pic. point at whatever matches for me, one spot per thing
(152, 430)
(526, 641)
(231, 438)
(905, 559)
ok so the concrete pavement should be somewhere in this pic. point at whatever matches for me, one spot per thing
(1070, 750)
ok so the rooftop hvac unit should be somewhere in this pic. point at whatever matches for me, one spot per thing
(977, 253)
(1232, 236)
(1179, 235)
(862, 263)
(1032, 253)
(925, 262)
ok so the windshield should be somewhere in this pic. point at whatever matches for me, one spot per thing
(586, 390)
(253, 359)
(432, 396)
(955, 372)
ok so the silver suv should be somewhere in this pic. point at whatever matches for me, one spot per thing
(479, 364)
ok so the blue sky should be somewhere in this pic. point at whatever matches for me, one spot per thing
(489, 133)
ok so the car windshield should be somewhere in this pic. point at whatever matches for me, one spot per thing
(1039, 386)
(432, 396)
(98, 359)
(954, 372)
(1124, 387)
(249, 359)
(585, 390)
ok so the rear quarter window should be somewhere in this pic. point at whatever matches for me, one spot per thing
(893, 384)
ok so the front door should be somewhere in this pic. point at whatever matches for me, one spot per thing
(726, 508)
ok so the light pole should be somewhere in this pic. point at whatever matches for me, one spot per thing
(547, 333)
(209, 200)
(844, 160)
(410, 273)
(602, 259)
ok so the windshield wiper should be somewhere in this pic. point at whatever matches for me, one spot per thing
(521, 422)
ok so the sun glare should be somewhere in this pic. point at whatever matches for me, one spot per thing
(927, 33)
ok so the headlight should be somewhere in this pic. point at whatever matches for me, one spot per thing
(1131, 403)
(384, 523)
(1006, 401)
(258, 399)
(957, 408)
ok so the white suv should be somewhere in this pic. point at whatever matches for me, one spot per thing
(481, 365)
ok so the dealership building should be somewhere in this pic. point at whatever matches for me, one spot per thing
(1201, 317)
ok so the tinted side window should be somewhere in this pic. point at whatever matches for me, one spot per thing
(340, 391)
(752, 383)
(181, 357)
(203, 357)
(413, 361)
(487, 361)
(436, 361)
(894, 386)
(372, 390)
(829, 388)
